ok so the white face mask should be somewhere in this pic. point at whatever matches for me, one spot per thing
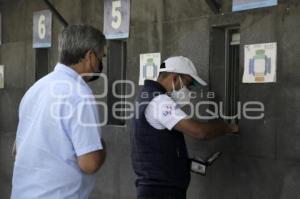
(182, 97)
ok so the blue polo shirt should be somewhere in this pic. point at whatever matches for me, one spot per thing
(58, 122)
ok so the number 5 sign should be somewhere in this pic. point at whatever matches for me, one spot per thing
(42, 29)
(116, 19)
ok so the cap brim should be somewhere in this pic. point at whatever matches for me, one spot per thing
(199, 80)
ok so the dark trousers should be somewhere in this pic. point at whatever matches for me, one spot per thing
(157, 192)
(161, 197)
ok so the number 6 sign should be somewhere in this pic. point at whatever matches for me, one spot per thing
(116, 19)
(42, 29)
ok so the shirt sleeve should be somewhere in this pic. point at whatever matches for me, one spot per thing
(85, 128)
(163, 110)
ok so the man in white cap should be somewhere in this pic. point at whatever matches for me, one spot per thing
(159, 154)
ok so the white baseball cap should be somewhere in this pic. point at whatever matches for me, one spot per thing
(182, 65)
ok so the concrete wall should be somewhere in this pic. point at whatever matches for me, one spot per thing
(263, 162)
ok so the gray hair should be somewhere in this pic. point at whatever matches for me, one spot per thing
(76, 40)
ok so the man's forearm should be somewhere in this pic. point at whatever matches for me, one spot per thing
(214, 130)
(203, 130)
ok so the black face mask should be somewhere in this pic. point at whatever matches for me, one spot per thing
(99, 71)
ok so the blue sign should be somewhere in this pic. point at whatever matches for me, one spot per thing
(238, 5)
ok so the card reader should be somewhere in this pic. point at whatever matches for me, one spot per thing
(199, 166)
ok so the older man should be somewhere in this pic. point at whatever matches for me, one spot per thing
(58, 144)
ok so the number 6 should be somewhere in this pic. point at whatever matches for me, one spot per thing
(42, 27)
(116, 23)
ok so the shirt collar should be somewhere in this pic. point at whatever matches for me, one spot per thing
(72, 73)
(155, 84)
(66, 69)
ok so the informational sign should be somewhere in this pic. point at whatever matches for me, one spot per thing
(149, 66)
(42, 29)
(116, 19)
(238, 5)
(1, 76)
(260, 63)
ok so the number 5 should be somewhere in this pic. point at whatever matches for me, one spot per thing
(42, 27)
(116, 23)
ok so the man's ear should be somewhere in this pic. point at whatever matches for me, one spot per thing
(175, 79)
(88, 55)
(88, 59)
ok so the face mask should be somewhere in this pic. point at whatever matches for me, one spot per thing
(99, 71)
(182, 96)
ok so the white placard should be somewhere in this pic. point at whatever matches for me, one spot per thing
(260, 63)
(149, 66)
(1, 76)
